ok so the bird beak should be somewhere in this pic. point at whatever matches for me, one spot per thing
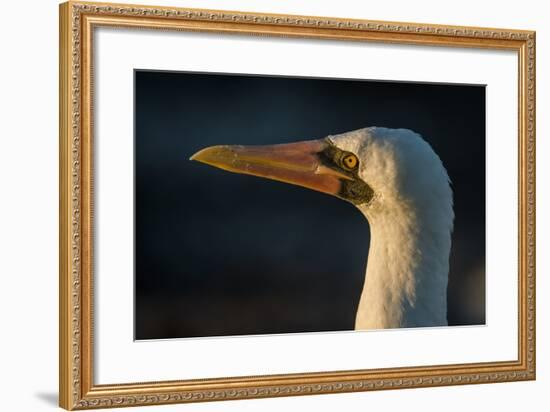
(295, 163)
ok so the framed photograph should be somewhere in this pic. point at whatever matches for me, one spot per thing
(260, 205)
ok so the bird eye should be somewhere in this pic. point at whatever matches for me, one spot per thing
(350, 161)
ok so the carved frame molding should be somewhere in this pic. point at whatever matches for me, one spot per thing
(77, 21)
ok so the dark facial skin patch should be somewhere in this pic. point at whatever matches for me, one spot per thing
(355, 190)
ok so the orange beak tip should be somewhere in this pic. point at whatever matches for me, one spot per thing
(196, 156)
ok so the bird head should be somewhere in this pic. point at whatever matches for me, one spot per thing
(371, 168)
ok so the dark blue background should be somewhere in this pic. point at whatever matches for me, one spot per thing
(224, 254)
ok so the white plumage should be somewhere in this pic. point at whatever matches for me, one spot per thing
(411, 219)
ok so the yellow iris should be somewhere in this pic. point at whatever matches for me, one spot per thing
(350, 161)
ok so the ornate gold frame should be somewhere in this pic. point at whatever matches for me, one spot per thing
(77, 23)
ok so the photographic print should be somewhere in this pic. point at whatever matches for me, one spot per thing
(241, 193)
(273, 205)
